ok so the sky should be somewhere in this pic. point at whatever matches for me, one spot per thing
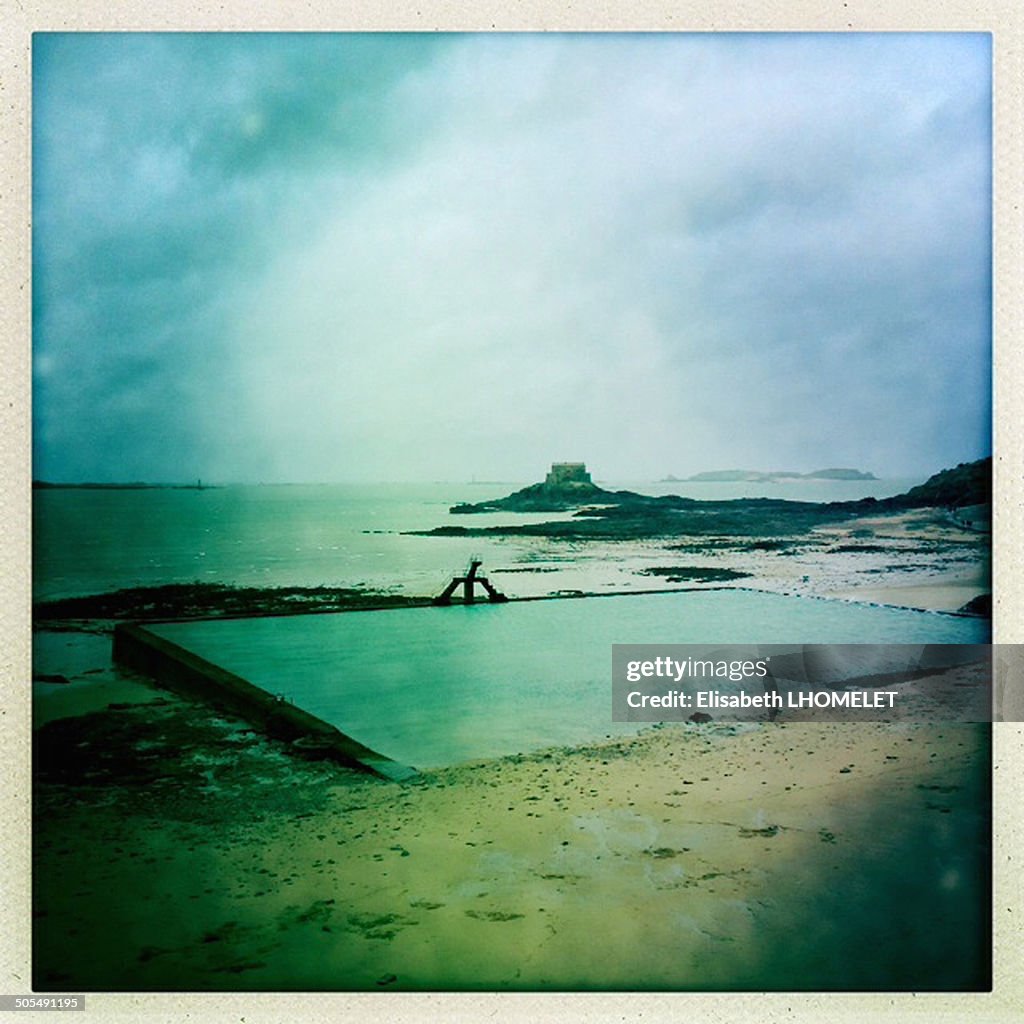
(299, 258)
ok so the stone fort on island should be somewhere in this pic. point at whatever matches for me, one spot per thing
(567, 473)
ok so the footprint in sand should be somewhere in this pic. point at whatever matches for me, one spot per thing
(764, 833)
(239, 966)
(376, 926)
(492, 915)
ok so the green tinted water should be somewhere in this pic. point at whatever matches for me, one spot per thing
(435, 686)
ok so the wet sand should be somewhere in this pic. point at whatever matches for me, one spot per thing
(945, 593)
(782, 856)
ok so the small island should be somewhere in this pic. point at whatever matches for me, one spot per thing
(567, 486)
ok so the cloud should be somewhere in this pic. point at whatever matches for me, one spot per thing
(415, 257)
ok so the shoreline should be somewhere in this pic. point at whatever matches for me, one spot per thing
(920, 554)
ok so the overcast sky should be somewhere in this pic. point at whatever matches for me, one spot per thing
(301, 258)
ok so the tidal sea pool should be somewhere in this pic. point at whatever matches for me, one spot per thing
(433, 686)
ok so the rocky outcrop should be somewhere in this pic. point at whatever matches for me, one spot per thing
(540, 498)
(567, 486)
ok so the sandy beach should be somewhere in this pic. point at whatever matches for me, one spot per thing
(175, 849)
(691, 857)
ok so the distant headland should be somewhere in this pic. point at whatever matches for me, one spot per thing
(46, 485)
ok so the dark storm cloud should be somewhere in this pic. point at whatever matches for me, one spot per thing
(294, 257)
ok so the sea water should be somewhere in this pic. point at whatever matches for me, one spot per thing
(436, 686)
(96, 541)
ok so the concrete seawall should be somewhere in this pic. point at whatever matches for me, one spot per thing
(179, 670)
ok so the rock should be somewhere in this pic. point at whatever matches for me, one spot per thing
(980, 605)
(700, 717)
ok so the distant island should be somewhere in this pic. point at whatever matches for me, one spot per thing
(778, 476)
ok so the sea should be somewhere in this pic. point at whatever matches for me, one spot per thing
(93, 541)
